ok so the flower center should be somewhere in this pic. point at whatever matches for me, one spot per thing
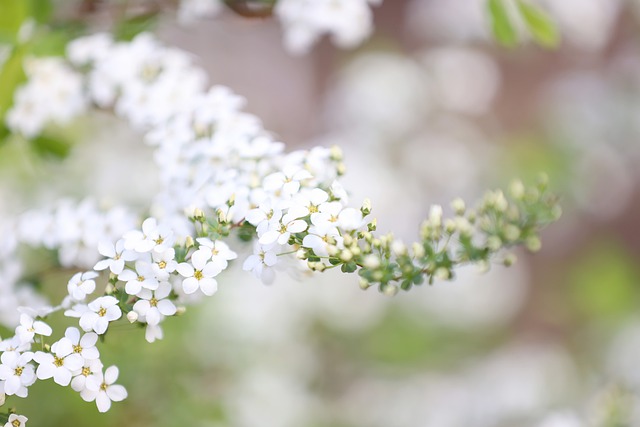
(104, 386)
(58, 361)
(153, 302)
(18, 371)
(162, 264)
(140, 278)
(77, 348)
(313, 209)
(86, 371)
(198, 275)
(159, 241)
(102, 312)
(15, 423)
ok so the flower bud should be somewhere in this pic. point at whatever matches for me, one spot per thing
(442, 273)
(346, 255)
(516, 189)
(364, 285)
(132, 316)
(418, 250)
(533, 243)
(390, 290)
(509, 260)
(371, 261)
(398, 248)
(336, 153)
(458, 206)
(188, 242)
(366, 207)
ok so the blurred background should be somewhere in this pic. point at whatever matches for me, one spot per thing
(428, 109)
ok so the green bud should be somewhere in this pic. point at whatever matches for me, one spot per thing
(335, 152)
(346, 255)
(390, 290)
(509, 260)
(371, 261)
(366, 207)
(516, 189)
(511, 232)
(458, 206)
(533, 243)
(494, 243)
(364, 284)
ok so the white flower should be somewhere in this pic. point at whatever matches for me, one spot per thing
(219, 250)
(260, 262)
(100, 312)
(29, 328)
(199, 274)
(144, 276)
(59, 364)
(82, 284)
(152, 237)
(153, 305)
(17, 373)
(280, 231)
(153, 333)
(90, 367)
(102, 389)
(286, 182)
(164, 263)
(85, 346)
(14, 344)
(16, 421)
(116, 255)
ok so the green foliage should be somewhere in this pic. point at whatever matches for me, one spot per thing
(11, 76)
(604, 281)
(539, 24)
(501, 25)
(15, 12)
(127, 29)
(51, 146)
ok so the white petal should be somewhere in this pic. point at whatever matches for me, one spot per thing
(111, 374)
(190, 285)
(62, 376)
(208, 286)
(117, 393)
(103, 402)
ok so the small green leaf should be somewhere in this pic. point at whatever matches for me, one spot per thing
(48, 146)
(50, 43)
(129, 28)
(501, 25)
(12, 14)
(540, 24)
(41, 10)
(11, 76)
(349, 267)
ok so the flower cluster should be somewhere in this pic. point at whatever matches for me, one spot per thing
(41, 101)
(222, 176)
(348, 22)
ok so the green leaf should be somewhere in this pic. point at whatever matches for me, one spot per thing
(50, 43)
(49, 146)
(12, 15)
(11, 76)
(540, 24)
(501, 25)
(129, 28)
(41, 10)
